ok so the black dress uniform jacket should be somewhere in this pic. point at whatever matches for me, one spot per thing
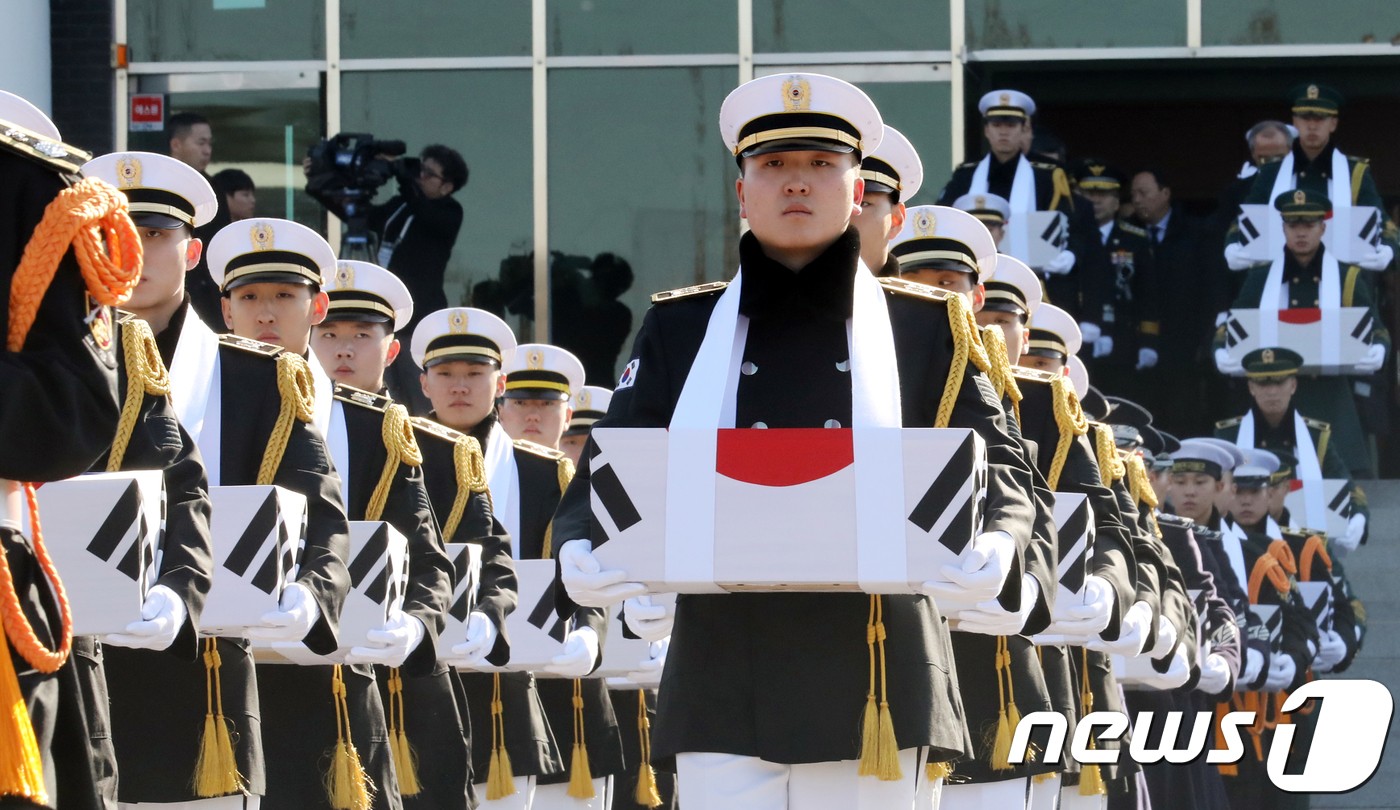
(741, 674)
(57, 416)
(1128, 309)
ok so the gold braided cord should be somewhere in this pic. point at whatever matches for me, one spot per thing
(1002, 375)
(566, 474)
(298, 392)
(1110, 465)
(966, 347)
(470, 467)
(1138, 483)
(145, 374)
(1070, 418)
(401, 448)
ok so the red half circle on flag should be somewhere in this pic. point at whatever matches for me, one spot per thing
(1301, 315)
(782, 457)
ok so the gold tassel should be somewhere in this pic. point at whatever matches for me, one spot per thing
(646, 794)
(580, 773)
(1090, 779)
(1042, 778)
(937, 770)
(347, 785)
(1001, 736)
(21, 768)
(500, 778)
(879, 749)
(216, 768)
(405, 763)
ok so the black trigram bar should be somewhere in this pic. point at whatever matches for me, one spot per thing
(1342, 494)
(1238, 329)
(614, 498)
(1370, 232)
(938, 499)
(1247, 225)
(543, 611)
(262, 525)
(1076, 527)
(125, 512)
(1363, 327)
(364, 562)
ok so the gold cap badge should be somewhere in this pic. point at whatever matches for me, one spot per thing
(925, 224)
(1267, 356)
(797, 95)
(262, 236)
(129, 172)
(457, 322)
(344, 276)
(585, 399)
(534, 360)
(1004, 99)
(1312, 91)
(1300, 197)
(979, 201)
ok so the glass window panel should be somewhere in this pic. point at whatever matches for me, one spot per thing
(263, 132)
(608, 27)
(434, 28)
(849, 25)
(636, 168)
(920, 110)
(485, 115)
(1074, 23)
(1273, 22)
(208, 30)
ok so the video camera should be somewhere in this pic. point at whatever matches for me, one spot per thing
(351, 166)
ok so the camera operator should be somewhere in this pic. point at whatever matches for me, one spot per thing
(418, 226)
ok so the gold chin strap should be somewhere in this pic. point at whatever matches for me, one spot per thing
(145, 374)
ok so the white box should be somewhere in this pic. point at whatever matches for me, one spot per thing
(1318, 598)
(1074, 518)
(257, 533)
(536, 631)
(1261, 232)
(1354, 232)
(466, 565)
(787, 536)
(1336, 500)
(1301, 331)
(102, 530)
(1046, 235)
(622, 655)
(378, 583)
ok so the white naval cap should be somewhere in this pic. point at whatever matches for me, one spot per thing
(1053, 334)
(164, 192)
(590, 404)
(789, 111)
(462, 333)
(1079, 377)
(542, 371)
(269, 250)
(1201, 456)
(1258, 468)
(1006, 104)
(992, 209)
(942, 238)
(19, 111)
(361, 291)
(1228, 448)
(893, 167)
(1013, 287)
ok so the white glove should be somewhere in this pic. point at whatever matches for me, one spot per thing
(1090, 331)
(1282, 670)
(979, 578)
(1226, 363)
(1253, 665)
(586, 581)
(579, 656)
(1331, 652)
(1147, 358)
(649, 672)
(1103, 347)
(1215, 675)
(1379, 260)
(991, 619)
(1136, 624)
(650, 617)
(1356, 528)
(1166, 637)
(1374, 359)
(1061, 264)
(162, 615)
(296, 614)
(1177, 674)
(481, 639)
(1089, 617)
(1235, 257)
(391, 644)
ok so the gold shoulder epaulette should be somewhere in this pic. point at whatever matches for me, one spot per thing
(1233, 421)
(1357, 159)
(124, 315)
(435, 429)
(539, 450)
(1040, 164)
(1128, 227)
(56, 155)
(250, 345)
(365, 399)
(914, 289)
(1317, 423)
(1033, 374)
(688, 292)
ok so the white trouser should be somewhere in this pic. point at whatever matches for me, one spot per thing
(730, 782)
(1045, 794)
(522, 799)
(556, 797)
(12, 511)
(1071, 800)
(218, 803)
(1008, 794)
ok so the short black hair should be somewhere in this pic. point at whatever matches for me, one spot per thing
(1157, 174)
(181, 123)
(229, 181)
(454, 167)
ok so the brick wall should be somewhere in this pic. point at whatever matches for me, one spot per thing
(83, 79)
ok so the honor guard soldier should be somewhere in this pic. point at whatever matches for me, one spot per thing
(59, 354)
(540, 383)
(589, 405)
(992, 210)
(461, 352)
(1274, 423)
(1317, 166)
(1120, 311)
(384, 480)
(892, 176)
(748, 727)
(1307, 276)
